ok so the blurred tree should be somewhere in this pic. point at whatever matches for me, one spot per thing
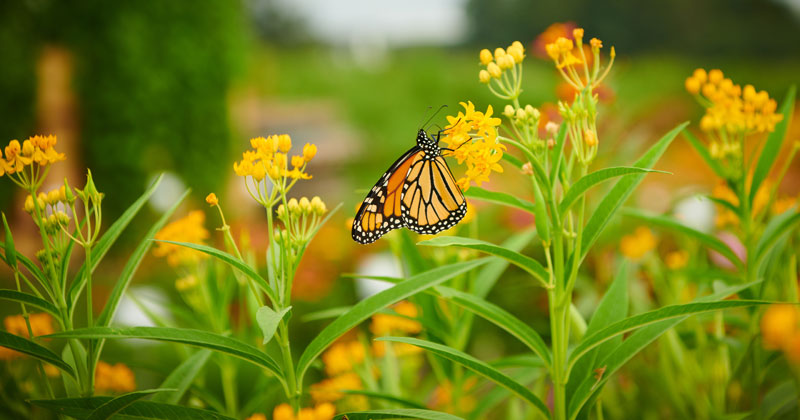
(711, 27)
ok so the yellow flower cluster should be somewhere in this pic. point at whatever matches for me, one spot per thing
(780, 330)
(729, 107)
(41, 324)
(324, 411)
(187, 229)
(269, 157)
(500, 61)
(574, 63)
(342, 356)
(304, 206)
(38, 150)
(472, 137)
(114, 378)
(676, 260)
(637, 244)
(329, 390)
(385, 324)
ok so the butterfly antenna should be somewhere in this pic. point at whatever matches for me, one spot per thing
(434, 114)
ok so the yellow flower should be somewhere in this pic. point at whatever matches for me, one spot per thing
(187, 229)
(186, 283)
(574, 63)
(486, 57)
(41, 324)
(677, 259)
(779, 325)
(328, 390)
(731, 108)
(484, 76)
(116, 378)
(324, 411)
(309, 151)
(212, 199)
(284, 143)
(636, 245)
(385, 324)
(472, 137)
(269, 158)
(443, 396)
(36, 149)
(341, 357)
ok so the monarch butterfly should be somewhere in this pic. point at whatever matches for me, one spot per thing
(418, 192)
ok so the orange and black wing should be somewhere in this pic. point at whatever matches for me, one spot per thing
(432, 201)
(382, 211)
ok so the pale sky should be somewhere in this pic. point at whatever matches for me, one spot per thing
(394, 22)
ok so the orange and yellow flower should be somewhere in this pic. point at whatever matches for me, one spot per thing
(342, 356)
(187, 229)
(472, 137)
(39, 150)
(114, 378)
(385, 324)
(637, 244)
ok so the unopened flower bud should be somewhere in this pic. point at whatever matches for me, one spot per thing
(69, 197)
(692, 85)
(305, 205)
(551, 128)
(294, 208)
(508, 111)
(589, 138)
(53, 197)
(309, 151)
(505, 62)
(297, 161)
(318, 206)
(499, 52)
(281, 211)
(212, 199)
(484, 76)
(494, 70)
(531, 111)
(28, 204)
(715, 76)
(551, 143)
(521, 115)
(284, 143)
(485, 56)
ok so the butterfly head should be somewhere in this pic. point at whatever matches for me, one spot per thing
(426, 143)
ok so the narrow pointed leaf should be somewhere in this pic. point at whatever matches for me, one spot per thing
(558, 152)
(541, 219)
(491, 272)
(10, 250)
(621, 191)
(674, 225)
(197, 338)
(27, 263)
(533, 267)
(182, 377)
(23, 345)
(703, 152)
(777, 228)
(496, 197)
(109, 237)
(371, 305)
(383, 397)
(114, 406)
(398, 413)
(773, 144)
(590, 180)
(132, 265)
(81, 408)
(29, 299)
(477, 366)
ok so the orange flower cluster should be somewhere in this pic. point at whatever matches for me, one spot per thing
(187, 229)
(114, 378)
(636, 245)
(269, 157)
(385, 324)
(38, 150)
(780, 330)
(342, 356)
(729, 107)
(550, 35)
(329, 390)
(472, 137)
(324, 411)
(579, 68)
(41, 324)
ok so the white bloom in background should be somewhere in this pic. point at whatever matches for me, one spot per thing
(696, 212)
(384, 264)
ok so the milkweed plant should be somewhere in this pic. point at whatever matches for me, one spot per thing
(720, 320)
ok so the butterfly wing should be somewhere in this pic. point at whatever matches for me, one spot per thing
(432, 201)
(381, 210)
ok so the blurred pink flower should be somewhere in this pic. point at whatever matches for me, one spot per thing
(736, 246)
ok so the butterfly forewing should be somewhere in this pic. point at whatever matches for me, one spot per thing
(432, 201)
(381, 211)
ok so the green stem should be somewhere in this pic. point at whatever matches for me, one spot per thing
(229, 386)
(288, 366)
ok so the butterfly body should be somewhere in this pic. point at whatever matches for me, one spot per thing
(418, 192)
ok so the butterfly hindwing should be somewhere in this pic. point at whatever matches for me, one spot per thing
(381, 210)
(432, 201)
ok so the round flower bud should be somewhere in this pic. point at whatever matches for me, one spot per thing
(715, 76)
(551, 127)
(516, 52)
(505, 62)
(499, 52)
(281, 211)
(589, 138)
(533, 112)
(577, 33)
(212, 199)
(692, 85)
(53, 196)
(318, 206)
(294, 207)
(485, 56)
(700, 75)
(484, 76)
(28, 204)
(521, 115)
(284, 143)
(309, 151)
(508, 111)
(305, 205)
(494, 70)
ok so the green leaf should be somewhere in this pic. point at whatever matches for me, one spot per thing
(540, 213)
(109, 237)
(612, 308)
(490, 273)
(10, 250)
(369, 306)
(30, 348)
(777, 227)
(28, 264)
(477, 366)
(399, 413)
(533, 267)
(182, 377)
(326, 313)
(132, 264)
(558, 152)
(29, 299)
(501, 318)
(704, 238)
(639, 339)
(82, 408)
(384, 397)
(590, 180)
(773, 144)
(197, 338)
(512, 160)
(703, 152)
(114, 406)
(621, 191)
(496, 197)
(647, 318)
(234, 262)
(268, 320)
